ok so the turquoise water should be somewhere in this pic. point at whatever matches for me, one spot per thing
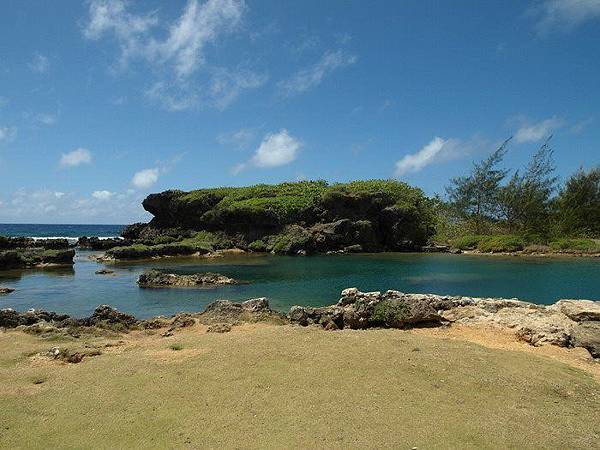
(314, 280)
(70, 231)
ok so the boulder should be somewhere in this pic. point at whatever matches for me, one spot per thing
(4, 290)
(105, 314)
(158, 279)
(579, 310)
(587, 335)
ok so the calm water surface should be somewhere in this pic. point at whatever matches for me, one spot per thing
(288, 281)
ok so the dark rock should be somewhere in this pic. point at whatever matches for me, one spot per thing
(104, 272)
(435, 248)
(4, 290)
(14, 243)
(105, 314)
(35, 257)
(95, 243)
(158, 279)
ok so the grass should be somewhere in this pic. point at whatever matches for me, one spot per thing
(292, 387)
(176, 347)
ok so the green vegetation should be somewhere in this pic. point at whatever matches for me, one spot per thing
(576, 245)
(176, 347)
(527, 211)
(389, 313)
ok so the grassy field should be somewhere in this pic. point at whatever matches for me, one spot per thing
(288, 387)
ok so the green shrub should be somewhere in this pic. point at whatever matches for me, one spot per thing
(176, 347)
(576, 245)
(469, 242)
(258, 246)
(501, 243)
(390, 313)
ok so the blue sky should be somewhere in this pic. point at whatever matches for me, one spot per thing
(105, 101)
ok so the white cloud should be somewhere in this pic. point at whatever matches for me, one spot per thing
(27, 206)
(437, 150)
(276, 149)
(102, 195)
(185, 80)
(197, 26)
(145, 178)
(7, 134)
(110, 17)
(311, 77)
(39, 63)
(221, 89)
(238, 139)
(76, 158)
(46, 119)
(564, 15)
(535, 132)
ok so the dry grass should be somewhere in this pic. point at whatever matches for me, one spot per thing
(266, 386)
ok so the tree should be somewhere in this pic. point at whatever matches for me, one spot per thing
(525, 201)
(579, 204)
(475, 197)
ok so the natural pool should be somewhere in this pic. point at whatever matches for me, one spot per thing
(288, 281)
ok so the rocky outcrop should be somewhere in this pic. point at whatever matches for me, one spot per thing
(293, 218)
(35, 257)
(95, 243)
(567, 323)
(142, 251)
(105, 317)
(13, 243)
(158, 279)
(4, 291)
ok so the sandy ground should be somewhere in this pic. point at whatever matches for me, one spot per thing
(267, 386)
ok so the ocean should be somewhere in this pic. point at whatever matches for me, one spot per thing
(59, 231)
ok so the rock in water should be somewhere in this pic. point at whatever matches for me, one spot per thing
(4, 290)
(158, 279)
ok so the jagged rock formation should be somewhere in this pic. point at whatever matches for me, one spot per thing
(23, 252)
(290, 218)
(567, 323)
(95, 243)
(158, 279)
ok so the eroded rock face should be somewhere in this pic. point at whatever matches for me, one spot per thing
(158, 279)
(579, 310)
(358, 310)
(567, 323)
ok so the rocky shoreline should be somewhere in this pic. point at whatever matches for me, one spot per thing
(566, 323)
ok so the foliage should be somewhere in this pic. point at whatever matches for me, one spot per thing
(501, 243)
(475, 196)
(468, 242)
(576, 245)
(389, 313)
(525, 201)
(578, 204)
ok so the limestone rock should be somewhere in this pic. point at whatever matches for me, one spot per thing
(579, 310)
(157, 279)
(587, 335)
